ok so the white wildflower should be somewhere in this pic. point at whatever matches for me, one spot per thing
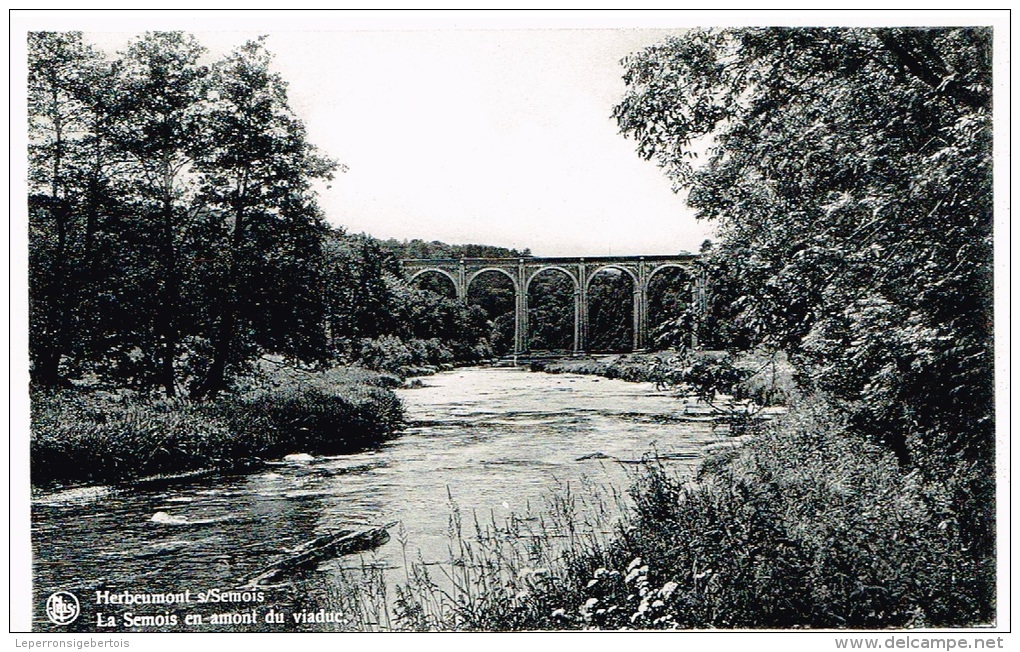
(636, 573)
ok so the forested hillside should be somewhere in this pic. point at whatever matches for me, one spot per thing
(175, 235)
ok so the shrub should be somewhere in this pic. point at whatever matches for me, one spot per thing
(99, 437)
(333, 411)
(806, 527)
(386, 353)
(96, 436)
(411, 357)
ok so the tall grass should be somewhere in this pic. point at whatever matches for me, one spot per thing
(809, 526)
(498, 575)
(334, 411)
(80, 435)
(95, 437)
(804, 526)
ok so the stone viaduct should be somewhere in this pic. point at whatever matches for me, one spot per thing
(581, 271)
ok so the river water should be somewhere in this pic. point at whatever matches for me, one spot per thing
(495, 440)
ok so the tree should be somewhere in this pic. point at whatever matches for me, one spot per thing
(611, 311)
(493, 293)
(255, 167)
(70, 108)
(372, 299)
(672, 317)
(550, 312)
(849, 171)
(160, 79)
(359, 298)
(174, 231)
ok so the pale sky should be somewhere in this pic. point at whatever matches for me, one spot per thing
(494, 137)
(490, 136)
(472, 127)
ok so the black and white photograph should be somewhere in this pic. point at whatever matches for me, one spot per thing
(456, 321)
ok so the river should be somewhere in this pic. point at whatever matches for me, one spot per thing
(495, 440)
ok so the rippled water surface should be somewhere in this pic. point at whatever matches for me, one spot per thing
(496, 440)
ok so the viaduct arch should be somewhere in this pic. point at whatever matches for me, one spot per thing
(580, 271)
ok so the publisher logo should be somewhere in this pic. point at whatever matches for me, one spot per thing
(62, 608)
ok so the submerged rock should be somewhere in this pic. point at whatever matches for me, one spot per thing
(595, 456)
(166, 519)
(298, 457)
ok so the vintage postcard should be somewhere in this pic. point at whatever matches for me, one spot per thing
(514, 322)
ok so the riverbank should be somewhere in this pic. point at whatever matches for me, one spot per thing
(807, 525)
(90, 436)
(631, 367)
(493, 441)
(735, 388)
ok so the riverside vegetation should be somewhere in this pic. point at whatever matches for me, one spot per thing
(849, 176)
(176, 244)
(175, 240)
(795, 529)
(103, 436)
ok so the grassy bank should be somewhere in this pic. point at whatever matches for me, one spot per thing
(733, 388)
(95, 436)
(632, 367)
(759, 375)
(804, 526)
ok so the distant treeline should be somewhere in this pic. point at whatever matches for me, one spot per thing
(420, 249)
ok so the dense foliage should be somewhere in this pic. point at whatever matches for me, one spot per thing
(176, 248)
(807, 526)
(175, 235)
(551, 312)
(376, 317)
(849, 171)
(80, 435)
(611, 311)
(174, 232)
